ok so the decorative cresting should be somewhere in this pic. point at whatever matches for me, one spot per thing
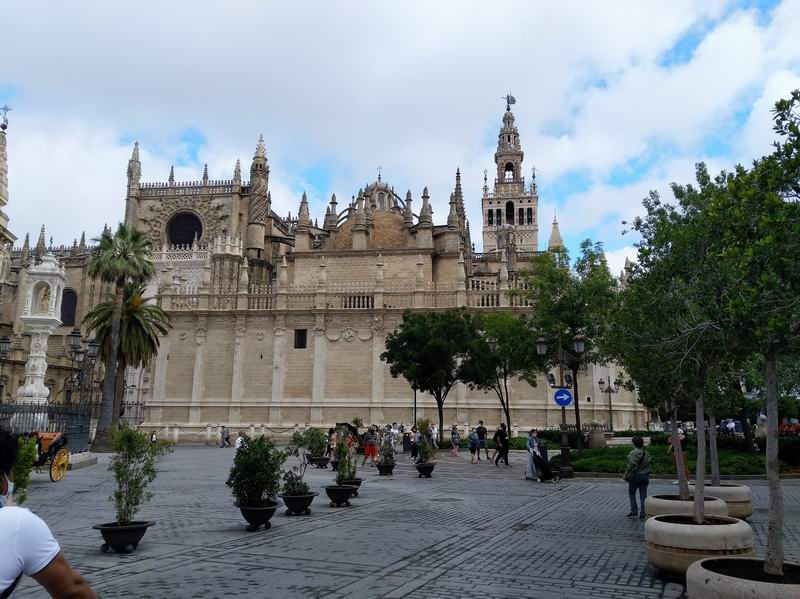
(210, 212)
(40, 317)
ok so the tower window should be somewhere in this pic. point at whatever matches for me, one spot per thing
(69, 303)
(521, 216)
(509, 213)
(530, 216)
(300, 338)
(508, 175)
(491, 216)
(499, 218)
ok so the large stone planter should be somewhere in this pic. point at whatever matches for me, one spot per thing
(657, 505)
(674, 542)
(739, 578)
(738, 498)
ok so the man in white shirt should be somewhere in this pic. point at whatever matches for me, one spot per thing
(26, 544)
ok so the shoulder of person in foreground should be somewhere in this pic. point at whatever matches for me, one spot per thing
(43, 560)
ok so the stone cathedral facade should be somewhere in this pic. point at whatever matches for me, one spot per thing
(280, 321)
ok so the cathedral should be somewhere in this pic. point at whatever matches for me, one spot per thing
(280, 321)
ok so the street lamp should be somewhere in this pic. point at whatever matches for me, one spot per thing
(565, 470)
(607, 387)
(414, 387)
(83, 355)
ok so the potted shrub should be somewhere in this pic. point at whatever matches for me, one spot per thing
(255, 480)
(296, 495)
(340, 493)
(386, 460)
(425, 463)
(310, 446)
(347, 475)
(134, 467)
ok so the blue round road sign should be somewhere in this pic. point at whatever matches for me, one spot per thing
(563, 397)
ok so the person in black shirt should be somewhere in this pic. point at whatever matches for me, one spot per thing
(501, 442)
(482, 444)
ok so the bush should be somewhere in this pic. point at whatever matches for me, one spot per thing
(293, 483)
(554, 437)
(313, 440)
(134, 468)
(28, 452)
(425, 451)
(386, 455)
(256, 472)
(357, 422)
(346, 471)
(788, 449)
(644, 433)
(732, 443)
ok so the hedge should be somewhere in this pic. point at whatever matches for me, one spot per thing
(788, 449)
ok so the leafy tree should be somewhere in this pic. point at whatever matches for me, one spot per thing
(503, 349)
(426, 350)
(567, 303)
(141, 325)
(120, 258)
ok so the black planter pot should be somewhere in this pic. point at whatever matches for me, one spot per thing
(297, 505)
(256, 516)
(385, 469)
(334, 464)
(340, 494)
(355, 482)
(321, 462)
(425, 469)
(122, 539)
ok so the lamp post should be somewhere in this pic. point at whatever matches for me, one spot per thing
(5, 352)
(607, 387)
(565, 470)
(83, 355)
(414, 387)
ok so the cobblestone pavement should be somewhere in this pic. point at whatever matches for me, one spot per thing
(470, 531)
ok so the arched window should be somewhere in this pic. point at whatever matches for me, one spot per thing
(69, 303)
(521, 216)
(530, 216)
(184, 228)
(491, 216)
(381, 201)
(509, 213)
(508, 175)
(499, 217)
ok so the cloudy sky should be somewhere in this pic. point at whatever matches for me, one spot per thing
(613, 99)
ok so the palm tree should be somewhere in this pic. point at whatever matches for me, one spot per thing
(120, 258)
(140, 327)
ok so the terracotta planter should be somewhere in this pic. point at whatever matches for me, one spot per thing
(258, 516)
(674, 542)
(738, 498)
(298, 504)
(657, 505)
(385, 469)
(426, 469)
(122, 539)
(739, 578)
(340, 494)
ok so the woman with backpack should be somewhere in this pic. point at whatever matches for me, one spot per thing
(637, 475)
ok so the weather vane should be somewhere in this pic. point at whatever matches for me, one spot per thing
(509, 101)
(380, 168)
(5, 109)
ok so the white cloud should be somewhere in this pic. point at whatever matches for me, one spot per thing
(616, 258)
(414, 87)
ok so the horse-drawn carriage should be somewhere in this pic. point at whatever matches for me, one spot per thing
(52, 448)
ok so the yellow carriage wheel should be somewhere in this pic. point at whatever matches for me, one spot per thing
(59, 465)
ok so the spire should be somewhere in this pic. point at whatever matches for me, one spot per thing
(261, 149)
(40, 245)
(303, 220)
(82, 244)
(237, 173)
(408, 214)
(259, 170)
(361, 216)
(205, 174)
(452, 218)
(425, 214)
(134, 166)
(26, 249)
(3, 165)
(331, 215)
(459, 194)
(172, 175)
(555, 236)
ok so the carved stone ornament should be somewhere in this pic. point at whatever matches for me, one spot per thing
(260, 336)
(210, 212)
(181, 335)
(348, 334)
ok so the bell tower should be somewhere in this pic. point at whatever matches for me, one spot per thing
(511, 205)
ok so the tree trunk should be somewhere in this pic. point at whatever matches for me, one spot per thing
(440, 407)
(712, 448)
(119, 392)
(700, 470)
(577, 402)
(507, 407)
(107, 407)
(773, 559)
(683, 484)
(744, 418)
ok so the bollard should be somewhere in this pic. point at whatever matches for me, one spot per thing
(175, 435)
(208, 434)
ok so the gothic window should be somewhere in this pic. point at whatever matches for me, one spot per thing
(300, 338)
(499, 219)
(530, 216)
(69, 303)
(491, 216)
(382, 201)
(521, 216)
(509, 213)
(183, 228)
(509, 172)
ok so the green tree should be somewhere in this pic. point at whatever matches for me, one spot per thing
(141, 324)
(426, 350)
(568, 303)
(120, 258)
(502, 349)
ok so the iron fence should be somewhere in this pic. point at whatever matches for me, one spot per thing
(74, 420)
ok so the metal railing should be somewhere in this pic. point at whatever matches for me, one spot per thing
(74, 420)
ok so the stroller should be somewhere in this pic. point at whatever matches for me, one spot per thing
(546, 473)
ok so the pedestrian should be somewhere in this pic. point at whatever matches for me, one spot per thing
(495, 449)
(483, 441)
(415, 441)
(331, 442)
(153, 438)
(222, 432)
(435, 436)
(501, 443)
(473, 445)
(396, 436)
(370, 446)
(534, 451)
(455, 440)
(28, 545)
(637, 475)
(239, 440)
